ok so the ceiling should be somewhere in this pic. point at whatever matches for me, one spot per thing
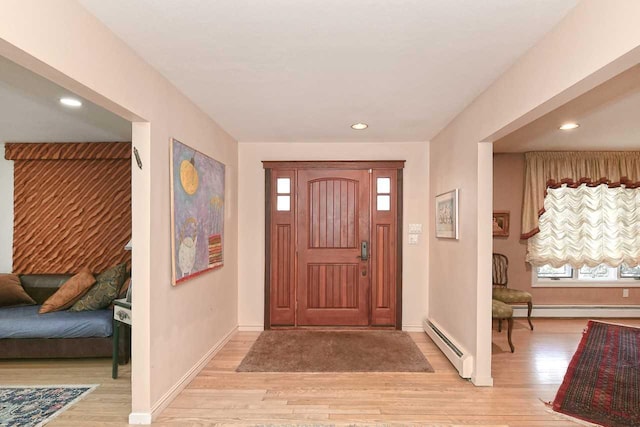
(305, 70)
(30, 111)
(608, 115)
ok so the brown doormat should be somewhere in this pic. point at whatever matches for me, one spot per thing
(334, 351)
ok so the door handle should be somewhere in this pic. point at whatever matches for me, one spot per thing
(364, 250)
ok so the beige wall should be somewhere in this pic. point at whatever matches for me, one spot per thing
(251, 211)
(508, 180)
(595, 41)
(6, 213)
(174, 327)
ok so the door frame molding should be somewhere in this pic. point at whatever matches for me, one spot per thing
(269, 166)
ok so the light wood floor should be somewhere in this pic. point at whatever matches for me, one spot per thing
(107, 405)
(219, 395)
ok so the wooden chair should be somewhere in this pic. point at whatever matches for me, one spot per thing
(504, 294)
(502, 311)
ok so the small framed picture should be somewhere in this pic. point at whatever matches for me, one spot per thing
(501, 223)
(447, 215)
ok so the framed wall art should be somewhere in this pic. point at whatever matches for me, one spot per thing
(447, 215)
(197, 212)
(501, 223)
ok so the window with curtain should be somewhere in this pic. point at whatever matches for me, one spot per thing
(545, 169)
(588, 227)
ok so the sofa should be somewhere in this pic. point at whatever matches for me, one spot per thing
(62, 334)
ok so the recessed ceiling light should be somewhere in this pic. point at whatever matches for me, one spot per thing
(569, 126)
(70, 102)
(359, 126)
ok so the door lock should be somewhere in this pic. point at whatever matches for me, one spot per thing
(364, 250)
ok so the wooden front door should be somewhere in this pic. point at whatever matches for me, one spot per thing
(333, 254)
(333, 226)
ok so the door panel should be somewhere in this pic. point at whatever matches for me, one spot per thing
(332, 210)
(281, 232)
(333, 219)
(384, 247)
(332, 286)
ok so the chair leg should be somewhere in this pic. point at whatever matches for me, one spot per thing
(529, 308)
(499, 325)
(509, 329)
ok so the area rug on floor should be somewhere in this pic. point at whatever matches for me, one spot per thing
(334, 351)
(35, 406)
(602, 383)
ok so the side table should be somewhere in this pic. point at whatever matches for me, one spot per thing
(121, 318)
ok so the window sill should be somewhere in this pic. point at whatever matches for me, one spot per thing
(567, 283)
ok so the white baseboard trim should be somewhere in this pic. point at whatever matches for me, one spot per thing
(173, 392)
(482, 381)
(140, 418)
(413, 328)
(578, 311)
(251, 328)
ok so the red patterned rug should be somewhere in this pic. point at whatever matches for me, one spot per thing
(602, 383)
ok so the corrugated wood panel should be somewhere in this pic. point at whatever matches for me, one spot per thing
(71, 213)
(67, 151)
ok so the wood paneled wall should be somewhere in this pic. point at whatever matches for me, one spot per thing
(72, 206)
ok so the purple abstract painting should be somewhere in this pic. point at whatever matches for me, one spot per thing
(197, 212)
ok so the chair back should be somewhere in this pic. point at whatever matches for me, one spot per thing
(500, 266)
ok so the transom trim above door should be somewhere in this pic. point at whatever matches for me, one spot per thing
(333, 250)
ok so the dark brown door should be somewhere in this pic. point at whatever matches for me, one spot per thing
(333, 223)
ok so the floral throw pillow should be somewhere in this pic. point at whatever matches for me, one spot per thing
(105, 290)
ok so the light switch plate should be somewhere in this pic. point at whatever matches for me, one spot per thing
(413, 239)
(415, 228)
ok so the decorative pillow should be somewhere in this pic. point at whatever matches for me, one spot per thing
(69, 292)
(12, 292)
(105, 290)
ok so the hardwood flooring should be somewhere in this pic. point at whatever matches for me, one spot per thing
(219, 395)
(107, 405)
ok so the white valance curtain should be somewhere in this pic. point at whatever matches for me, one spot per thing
(550, 169)
(588, 225)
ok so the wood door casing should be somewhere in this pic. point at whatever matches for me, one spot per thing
(333, 284)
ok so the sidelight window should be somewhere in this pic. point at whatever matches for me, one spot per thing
(283, 194)
(383, 194)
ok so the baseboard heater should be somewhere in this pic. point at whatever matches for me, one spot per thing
(457, 355)
(581, 311)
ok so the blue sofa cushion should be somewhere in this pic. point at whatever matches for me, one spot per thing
(25, 322)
